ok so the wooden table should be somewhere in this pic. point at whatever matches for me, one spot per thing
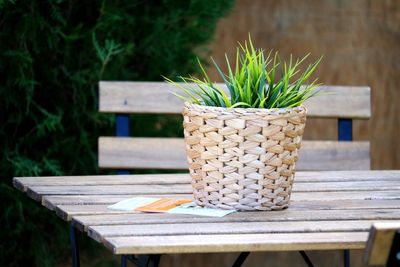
(329, 210)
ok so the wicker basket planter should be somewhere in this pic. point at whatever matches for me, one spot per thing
(242, 159)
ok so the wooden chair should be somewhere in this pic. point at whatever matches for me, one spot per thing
(383, 246)
(123, 152)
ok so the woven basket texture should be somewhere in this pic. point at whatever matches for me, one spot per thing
(242, 159)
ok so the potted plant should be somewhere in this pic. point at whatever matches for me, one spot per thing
(242, 142)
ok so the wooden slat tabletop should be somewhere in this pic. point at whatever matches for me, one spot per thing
(329, 210)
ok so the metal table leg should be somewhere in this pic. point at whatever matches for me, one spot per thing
(148, 260)
(306, 258)
(124, 261)
(346, 258)
(240, 260)
(74, 246)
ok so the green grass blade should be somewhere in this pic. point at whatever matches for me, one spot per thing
(255, 82)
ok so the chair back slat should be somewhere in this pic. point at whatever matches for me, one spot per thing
(122, 98)
(169, 153)
(155, 97)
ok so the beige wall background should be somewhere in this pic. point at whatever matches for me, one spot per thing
(360, 41)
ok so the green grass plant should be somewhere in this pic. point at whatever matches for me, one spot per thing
(257, 81)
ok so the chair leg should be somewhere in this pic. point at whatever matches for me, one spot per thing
(394, 254)
(74, 246)
(142, 261)
(148, 260)
(124, 261)
(154, 260)
(346, 258)
(306, 258)
(240, 260)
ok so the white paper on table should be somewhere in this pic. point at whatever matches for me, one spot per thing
(131, 204)
(193, 209)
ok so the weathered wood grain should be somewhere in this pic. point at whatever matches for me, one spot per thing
(50, 201)
(380, 242)
(169, 153)
(138, 179)
(37, 192)
(291, 214)
(311, 198)
(320, 203)
(145, 97)
(88, 195)
(67, 212)
(334, 195)
(343, 176)
(301, 207)
(99, 233)
(235, 243)
(22, 183)
(316, 200)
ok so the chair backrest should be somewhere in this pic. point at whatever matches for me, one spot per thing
(123, 152)
(383, 245)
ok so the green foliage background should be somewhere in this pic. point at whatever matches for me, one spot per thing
(52, 55)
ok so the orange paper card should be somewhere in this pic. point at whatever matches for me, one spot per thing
(163, 205)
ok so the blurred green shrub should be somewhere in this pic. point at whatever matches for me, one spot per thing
(52, 55)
